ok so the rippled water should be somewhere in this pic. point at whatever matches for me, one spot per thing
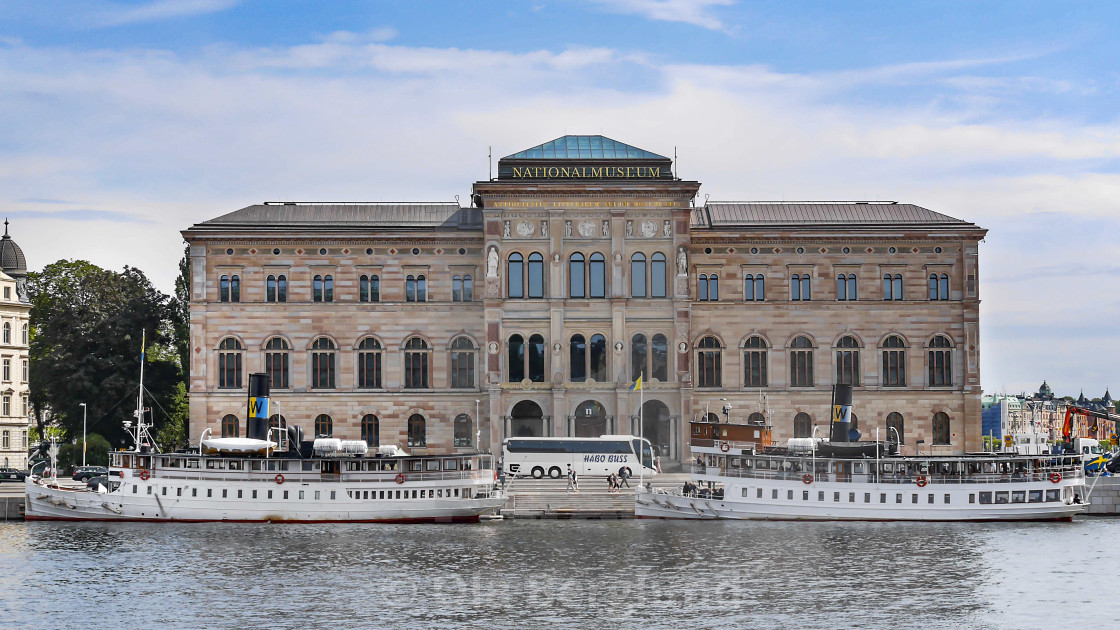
(574, 573)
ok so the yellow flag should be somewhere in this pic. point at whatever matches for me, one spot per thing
(637, 385)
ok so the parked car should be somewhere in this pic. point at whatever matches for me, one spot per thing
(83, 473)
(11, 474)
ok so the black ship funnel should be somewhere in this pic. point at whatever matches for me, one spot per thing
(257, 424)
(841, 414)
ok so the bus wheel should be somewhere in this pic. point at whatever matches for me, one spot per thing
(538, 472)
(625, 470)
(554, 472)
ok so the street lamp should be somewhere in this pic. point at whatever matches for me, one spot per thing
(83, 406)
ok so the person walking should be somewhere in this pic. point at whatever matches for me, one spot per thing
(623, 478)
(575, 480)
(611, 483)
(571, 479)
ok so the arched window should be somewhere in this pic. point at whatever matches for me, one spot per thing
(229, 364)
(657, 278)
(938, 286)
(328, 288)
(369, 289)
(708, 288)
(802, 425)
(577, 358)
(801, 363)
(416, 358)
(754, 362)
(756, 418)
(597, 276)
(941, 432)
(639, 355)
(702, 288)
(896, 428)
(235, 288)
(462, 430)
(281, 288)
(270, 289)
(515, 367)
(324, 426)
(536, 358)
(940, 362)
(515, 276)
(536, 275)
(417, 431)
(462, 363)
(846, 287)
(754, 287)
(230, 426)
(461, 289)
(276, 363)
(317, 289)
(894, 362)
(278, 424)
(800, 288)
(25, 337)
(416, 288)
(659, 368)
(575, 276)
(709, 363)
(597, 352)
(369, 363)
(847, 361)
(223, 289)
(892, 286)
(371, 430)
(322, 364)
(7, 333)
(638, 275)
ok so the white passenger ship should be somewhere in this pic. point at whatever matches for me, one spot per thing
(248, 480)
(736, 474)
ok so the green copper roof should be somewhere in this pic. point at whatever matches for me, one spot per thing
(576, 147)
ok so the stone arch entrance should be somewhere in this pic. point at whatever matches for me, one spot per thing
(526, 419)
(657, 427)
(590, 419)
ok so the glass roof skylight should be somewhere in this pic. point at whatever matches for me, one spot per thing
(574, 147)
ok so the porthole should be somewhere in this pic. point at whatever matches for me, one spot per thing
(369, 251)
(892, 250)
(229, 252)
(937, 250)
(322, 251)
(707, 250)
(462, 251)
(415, 251)
(800, 250)
(754, 250)
(276, 251)
(847, 250)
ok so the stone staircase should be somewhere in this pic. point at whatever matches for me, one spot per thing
(549, 498)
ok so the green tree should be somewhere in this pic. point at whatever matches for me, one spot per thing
(85, 347)
(179, 313)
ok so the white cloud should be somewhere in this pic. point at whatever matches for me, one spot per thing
(177, 140)
(695, 12)
(118, 15)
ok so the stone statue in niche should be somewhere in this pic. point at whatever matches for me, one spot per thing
(667, 229)
(629, 229)
(505, 230)
(682, 262)
(568, 229)
(606, 228)
(492, 263)
(544, 229)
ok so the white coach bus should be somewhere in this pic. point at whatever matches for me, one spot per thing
(599, 456)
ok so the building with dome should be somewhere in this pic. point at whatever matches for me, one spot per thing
(15, 308)
(584, 264)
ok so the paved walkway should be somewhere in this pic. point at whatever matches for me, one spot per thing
(549, 498)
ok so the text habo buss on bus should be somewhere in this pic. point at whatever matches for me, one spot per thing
(599, 456)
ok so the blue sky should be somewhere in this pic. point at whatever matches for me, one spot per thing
(122, 123)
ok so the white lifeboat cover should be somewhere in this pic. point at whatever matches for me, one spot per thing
(237, 445)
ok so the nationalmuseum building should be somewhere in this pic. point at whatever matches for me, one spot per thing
(583, 265)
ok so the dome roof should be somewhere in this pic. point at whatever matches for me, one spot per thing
(1045, 390)
(11, 256)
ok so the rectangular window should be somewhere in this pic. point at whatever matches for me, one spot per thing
(759, 495)
(867, 497)
(929, 499)
(804, 495)
(947, 499)
(836, 497)
(1003, 497)
(898, 497)
(1052, 495)
(820, 496)
(985, 498)
(1019, 496)
(163, 491)
(972, 497)
(1035, 496)
(882, 497)
(851, 497)
(745, 492)
(224, 493)
(789, 494)
(913, 498)
(774, 494)
(285, 494)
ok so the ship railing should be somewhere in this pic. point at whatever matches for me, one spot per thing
(887, 478)
(320, 477)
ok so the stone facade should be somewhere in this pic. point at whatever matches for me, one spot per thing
(15, 421)
(554, 254)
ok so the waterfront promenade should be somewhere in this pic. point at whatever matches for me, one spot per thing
(549, 498)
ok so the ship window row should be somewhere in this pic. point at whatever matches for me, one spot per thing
(325, 357)
(853, 497)
(276, 288)
(801, 287)
(225, 493)
(428, 493)
(846, 362)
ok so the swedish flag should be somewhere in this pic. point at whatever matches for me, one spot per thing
(1096, 464)
(636, 386)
